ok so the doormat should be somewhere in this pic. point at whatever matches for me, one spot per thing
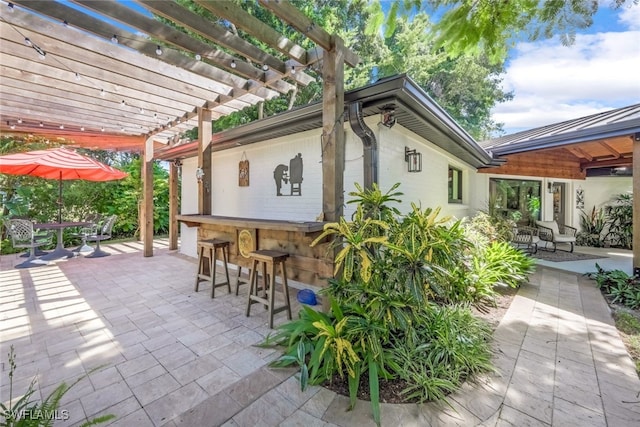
(562, 256)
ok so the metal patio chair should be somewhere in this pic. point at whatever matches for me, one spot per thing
(23, 235)
(99, 234)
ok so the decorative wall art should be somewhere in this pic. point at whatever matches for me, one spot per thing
(291, 174)
(579, 198)
(243, 171)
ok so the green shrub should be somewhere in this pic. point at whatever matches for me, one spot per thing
(618, 286)
(388, 318)
(619, 214)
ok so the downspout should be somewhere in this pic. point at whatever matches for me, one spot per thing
(369, 143)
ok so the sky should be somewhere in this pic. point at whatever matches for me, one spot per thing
(552, 83)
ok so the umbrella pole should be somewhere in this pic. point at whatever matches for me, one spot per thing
(60, 199)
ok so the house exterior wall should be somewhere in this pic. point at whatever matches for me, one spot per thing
(428, 188)
(189, 205)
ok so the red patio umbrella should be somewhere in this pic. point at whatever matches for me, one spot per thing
(60, 164)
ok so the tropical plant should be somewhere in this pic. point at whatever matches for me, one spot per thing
(618, 286)
(388, 318)
(26, 413)
(619, 217)
(592, 226)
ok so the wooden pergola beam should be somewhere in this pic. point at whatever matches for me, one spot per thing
(219, 35)
(636, 204)
(252, 25)
(294, 17)
(622, 161)
(174, 37)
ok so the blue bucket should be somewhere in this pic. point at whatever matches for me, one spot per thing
(307, 296)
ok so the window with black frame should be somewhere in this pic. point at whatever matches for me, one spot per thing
(515, 199)
(455, 185)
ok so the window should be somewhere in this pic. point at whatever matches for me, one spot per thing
(455, 185)
(515, 199)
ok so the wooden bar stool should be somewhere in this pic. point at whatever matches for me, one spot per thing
(269, 259)
(209, 273)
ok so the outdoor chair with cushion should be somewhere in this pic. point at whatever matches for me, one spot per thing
(549, 232)
(23, 235)
(525, 238)
(100, 233)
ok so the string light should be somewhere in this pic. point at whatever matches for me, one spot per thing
(122, 129)
(77, 77)
(102, 93)
(123, 103)
(293, 69)
(19, 121)
(158, 50)
(65, 23)
(265, 67)
(27, 41)
(233, 63)
(141, 110)
(11, 125)
(41, 124)
(114, 39)
(102, 129)
(10, 7)
(82, 128)
(198, 57)
(61, 126)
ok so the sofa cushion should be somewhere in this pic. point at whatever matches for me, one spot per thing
(550, 224)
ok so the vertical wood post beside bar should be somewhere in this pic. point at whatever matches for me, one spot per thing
(173, 206)
(205, 131)
(636, 204)
(333, 131)
(146, 229)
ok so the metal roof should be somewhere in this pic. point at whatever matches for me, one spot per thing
(414, 109)
(601, 126)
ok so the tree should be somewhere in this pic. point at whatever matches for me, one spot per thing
(467, 87)
(490, 27)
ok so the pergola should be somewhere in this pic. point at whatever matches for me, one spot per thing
(109, 75)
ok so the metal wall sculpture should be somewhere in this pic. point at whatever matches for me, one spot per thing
(243, 171)
(291, 174)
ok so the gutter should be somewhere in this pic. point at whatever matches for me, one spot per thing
(369, 144)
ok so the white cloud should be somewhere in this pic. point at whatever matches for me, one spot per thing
(552, 83)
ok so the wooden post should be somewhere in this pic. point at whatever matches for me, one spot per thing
(205, 131)
(146, 220)
(333, 131)
(173, 206)
(636, 204)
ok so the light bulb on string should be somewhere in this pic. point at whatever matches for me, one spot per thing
(114, 39)
(141, 110)
(102, 129)
(65, 23)
(61, 126)
(233, 63)
(77, 77)
(198, 57)
(293, 69)
(123, 103)
(27, 41)
(19, 121)
(158, 50)
(10, 7)
(265, 67)
(102, 92)
(82, 128)
(11, 125)
(41, 124)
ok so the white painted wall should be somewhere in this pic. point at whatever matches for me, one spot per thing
(599, 190)
(428, 188)
(189, 205)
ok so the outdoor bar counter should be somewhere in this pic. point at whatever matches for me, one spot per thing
(305, 264)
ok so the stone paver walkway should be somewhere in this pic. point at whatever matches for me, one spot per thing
(167, 356)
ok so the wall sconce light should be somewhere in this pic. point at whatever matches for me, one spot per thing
(178, 163)
(388, 117)
(413, 159)
(199, 174)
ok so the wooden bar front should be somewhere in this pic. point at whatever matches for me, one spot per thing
(308, 265)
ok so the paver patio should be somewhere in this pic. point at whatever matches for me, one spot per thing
(169, 356)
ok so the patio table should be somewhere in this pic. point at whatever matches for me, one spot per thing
(59, 252)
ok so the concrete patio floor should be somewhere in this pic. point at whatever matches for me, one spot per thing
(167, 356)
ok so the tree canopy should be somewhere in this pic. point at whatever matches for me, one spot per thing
(490, 27)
